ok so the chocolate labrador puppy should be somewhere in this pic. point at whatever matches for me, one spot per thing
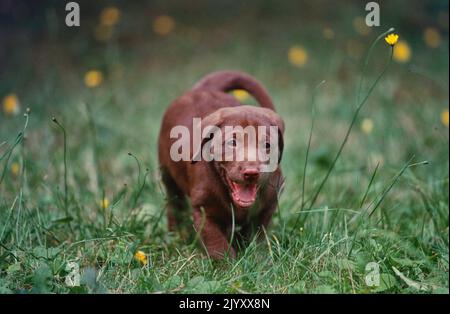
(227, 186)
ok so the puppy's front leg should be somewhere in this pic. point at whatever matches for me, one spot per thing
(212, 236)
(266, 215)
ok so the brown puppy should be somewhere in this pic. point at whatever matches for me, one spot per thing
(222, 188)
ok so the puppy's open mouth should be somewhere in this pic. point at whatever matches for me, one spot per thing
(243, 194)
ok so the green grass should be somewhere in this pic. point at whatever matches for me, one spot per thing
(386, 200)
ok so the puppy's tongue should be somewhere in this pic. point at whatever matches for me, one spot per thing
(244, 194)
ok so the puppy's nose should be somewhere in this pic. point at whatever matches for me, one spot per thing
(251, 174)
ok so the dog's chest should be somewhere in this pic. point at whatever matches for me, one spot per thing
(246, 216)
(254, 211)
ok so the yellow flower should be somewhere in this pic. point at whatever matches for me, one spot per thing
(298, 56)
(163, 25)
(11, 104)
(93, 78)
(104, 203)
(110, 16)
(432, 37)
(402, 52)
(15, 168)
(391, 39)
(328, 33)
(240, 94)
(367, 126)
(359, 24)
(141, 257)
(444, 117)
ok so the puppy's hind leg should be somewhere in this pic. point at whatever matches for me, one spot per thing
(176, 201)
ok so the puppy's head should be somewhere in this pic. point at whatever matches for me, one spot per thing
(244, 145)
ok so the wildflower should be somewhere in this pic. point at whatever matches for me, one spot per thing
(360, 26)
(105, 203)
(240, 94)
(367, 126)
(93, 78)
(391, 39)
(432, 37)
(402, 52)
(11, 104)
(110, 16)
(444, 117)
(163, 25)
(15, 168)
(298, 56)
(141, 257)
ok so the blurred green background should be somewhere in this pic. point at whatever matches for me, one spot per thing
(109, 81)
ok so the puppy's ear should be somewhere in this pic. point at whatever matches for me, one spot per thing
(214, 119)
(275, 119)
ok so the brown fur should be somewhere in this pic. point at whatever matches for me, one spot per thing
(206, 184)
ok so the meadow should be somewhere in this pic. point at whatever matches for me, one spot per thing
(80, 191)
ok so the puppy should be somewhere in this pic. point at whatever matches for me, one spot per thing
(223, 192)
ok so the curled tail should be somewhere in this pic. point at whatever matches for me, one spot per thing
(226, 81)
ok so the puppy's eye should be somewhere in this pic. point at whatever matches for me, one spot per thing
(231, 142)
